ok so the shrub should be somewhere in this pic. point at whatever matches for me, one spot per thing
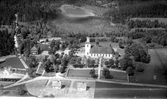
(106, 73)
(92, 72)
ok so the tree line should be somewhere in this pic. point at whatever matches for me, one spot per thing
(146, 24)
(6, 43)
(138, 9)
(152, 38)
(28, 10)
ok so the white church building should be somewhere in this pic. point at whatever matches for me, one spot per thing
(97, 50)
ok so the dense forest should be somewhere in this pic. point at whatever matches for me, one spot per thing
(138, 9)
(152, 38)
(146, 24)
(28, 10)
(6, 43)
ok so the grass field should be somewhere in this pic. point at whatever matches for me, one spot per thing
(108, 90)
(93, 24)
(36, 87)
(86, 74)
(155, 67)
(13, 62)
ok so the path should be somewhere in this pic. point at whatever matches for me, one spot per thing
(24, 64)
(62, 78)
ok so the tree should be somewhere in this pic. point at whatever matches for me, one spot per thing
(106, 73)
(33, 62)
(31, 72)
(126, 62)
(48, 66)
(73, 60)
(139, 53)
(129, 71)
(93, 74)
(22, 91)
(106, 63)
(139, 67)
(111, 62)
(78, 61)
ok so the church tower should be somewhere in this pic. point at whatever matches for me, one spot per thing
(87, 47)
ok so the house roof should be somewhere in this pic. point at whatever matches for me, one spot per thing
(101, 50)
(81, 85)
(34, 48)
(56, 83)
(44, 47)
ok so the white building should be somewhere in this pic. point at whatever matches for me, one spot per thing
(81, 86)
(98, 50)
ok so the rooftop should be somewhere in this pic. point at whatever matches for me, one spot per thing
(102, 50)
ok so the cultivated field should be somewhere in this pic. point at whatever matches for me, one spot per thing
(108, 90)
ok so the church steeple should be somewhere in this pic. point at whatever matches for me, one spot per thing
(87, 46)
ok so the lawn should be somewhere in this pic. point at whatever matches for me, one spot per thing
(13, 62)
(85, 74)
(108, 90)
(74, 11)
(36, 87)
(155, 67)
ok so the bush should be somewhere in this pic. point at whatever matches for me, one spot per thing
(106, 73)
(92, 72)
(139, 67)
(22, 91)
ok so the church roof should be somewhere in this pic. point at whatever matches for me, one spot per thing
(102, 50)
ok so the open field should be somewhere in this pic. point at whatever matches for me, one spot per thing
(155, 67)
(92, 24)
(13, 62)
(85, 73)
(73, 11)
(108, 90)
(32, 87)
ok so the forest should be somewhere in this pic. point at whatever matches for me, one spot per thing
(28, 10)
(152, 38)
(141, 8)
(6, 43)
(146, 24)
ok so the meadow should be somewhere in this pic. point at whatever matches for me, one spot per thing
(155, 67)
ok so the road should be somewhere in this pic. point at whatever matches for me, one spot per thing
(110, 89)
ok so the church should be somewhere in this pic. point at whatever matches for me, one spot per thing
(97, 50)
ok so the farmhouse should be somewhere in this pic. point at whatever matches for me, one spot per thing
(98, 50)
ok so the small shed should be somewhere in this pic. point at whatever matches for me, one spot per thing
(56, 84)
(81, 86)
